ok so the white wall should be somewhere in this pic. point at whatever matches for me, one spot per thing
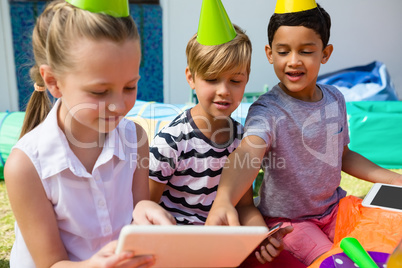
(362, 31)
(8, 84)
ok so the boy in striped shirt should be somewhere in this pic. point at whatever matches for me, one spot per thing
(187, 156)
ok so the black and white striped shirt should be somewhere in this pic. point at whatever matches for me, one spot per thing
(190, 165)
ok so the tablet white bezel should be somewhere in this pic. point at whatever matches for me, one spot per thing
(226, 246)
(372, 194)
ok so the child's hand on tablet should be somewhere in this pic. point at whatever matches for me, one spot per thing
(272, 246)
(106, 257)
(147, 212)
(223, 215)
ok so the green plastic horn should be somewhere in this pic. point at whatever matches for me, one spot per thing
(115, 8)
(355, 251)
(214, 27)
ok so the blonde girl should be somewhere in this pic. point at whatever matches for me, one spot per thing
(74, 177)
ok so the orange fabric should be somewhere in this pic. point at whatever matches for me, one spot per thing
(376, 229)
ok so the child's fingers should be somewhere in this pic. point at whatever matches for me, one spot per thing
(274, 242)
(114, 259)
(282, 232)
(156, 218)
(139, 262)
(145, 265)
(286, 230)
(259, 258)
(272, 251)
(233, 220)
(266, 253)
(223, 215)
(164, 218)
(127, 259)
(165, 221)
(223, 218)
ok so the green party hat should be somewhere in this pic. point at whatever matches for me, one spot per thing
(214, 27)
(292, 6)
(115, 8)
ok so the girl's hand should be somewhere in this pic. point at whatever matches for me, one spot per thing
(107, 258)
(147, 212)
(272, 246)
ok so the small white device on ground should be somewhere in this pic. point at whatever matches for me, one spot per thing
(384, 196)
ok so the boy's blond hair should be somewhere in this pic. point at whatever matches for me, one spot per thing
(210, 61)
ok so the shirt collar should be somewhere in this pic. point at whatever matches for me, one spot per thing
(55, 155)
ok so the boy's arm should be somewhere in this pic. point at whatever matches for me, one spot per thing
(249, 215)
(358, 166)
(156, 190)
(238, 174)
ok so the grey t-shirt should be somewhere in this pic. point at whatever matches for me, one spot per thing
(303, 161)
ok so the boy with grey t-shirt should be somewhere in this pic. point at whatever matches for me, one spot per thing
(302, 168)
(298, 133)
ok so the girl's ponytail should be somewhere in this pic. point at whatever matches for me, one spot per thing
(38, 105)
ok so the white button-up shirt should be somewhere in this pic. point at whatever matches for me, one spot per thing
(90, 208)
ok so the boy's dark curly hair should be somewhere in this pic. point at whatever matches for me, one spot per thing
(316, 19)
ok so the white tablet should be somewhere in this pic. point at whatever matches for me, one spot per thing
(192, 246)
(384, 196)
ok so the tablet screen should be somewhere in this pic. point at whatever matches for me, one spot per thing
(388, 196)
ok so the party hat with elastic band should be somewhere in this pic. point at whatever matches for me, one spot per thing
(115, 8)
(214, 27)
(292, 6)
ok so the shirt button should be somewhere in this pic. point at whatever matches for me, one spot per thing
(107, 229)
(101, 203)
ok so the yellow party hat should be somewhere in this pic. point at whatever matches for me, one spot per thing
(214, 27)
(292, 6)
(115, 8)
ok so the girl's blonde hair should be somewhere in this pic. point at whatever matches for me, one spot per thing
(56, 30)
(207, 61)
